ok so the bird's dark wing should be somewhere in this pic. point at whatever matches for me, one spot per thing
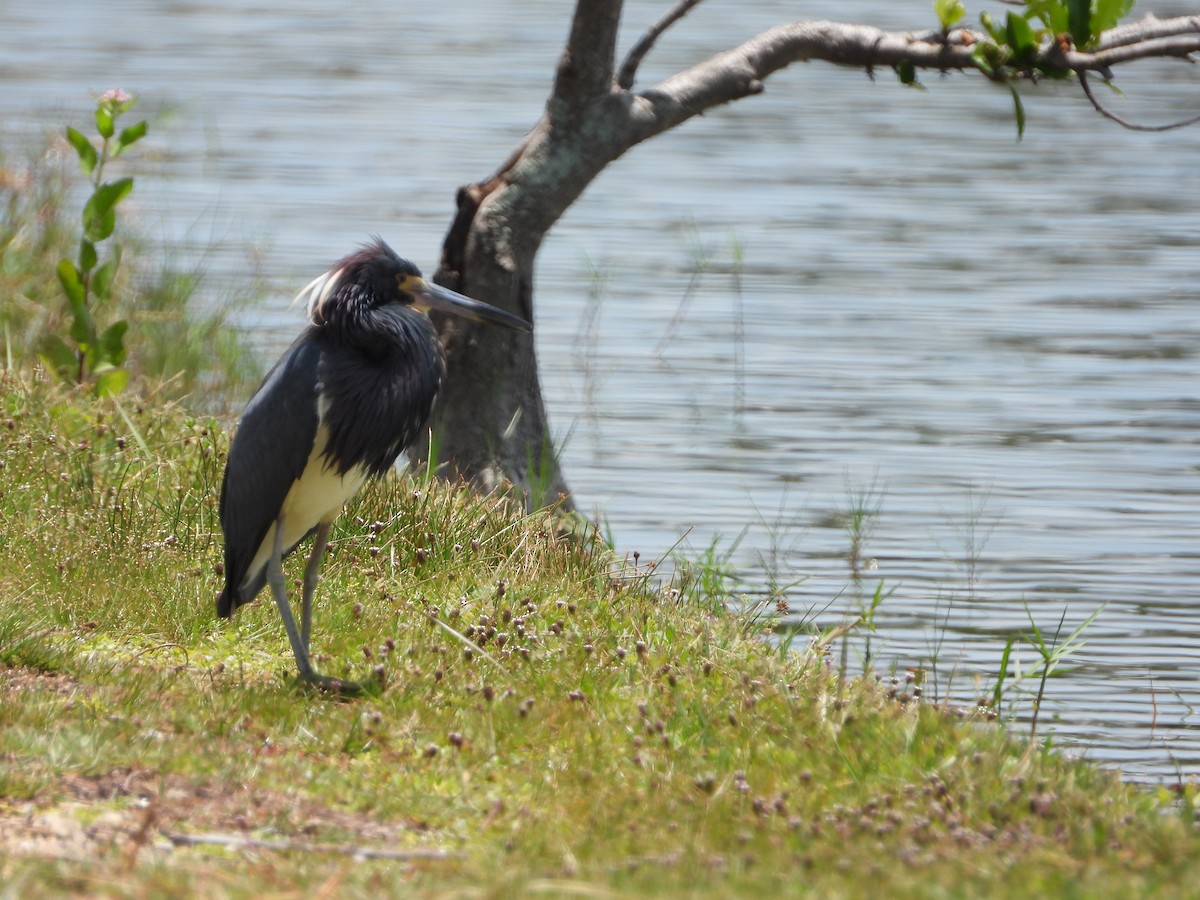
(269, 452)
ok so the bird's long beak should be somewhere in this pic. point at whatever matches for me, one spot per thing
(431, 296)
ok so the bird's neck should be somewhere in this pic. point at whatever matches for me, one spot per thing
(379, 330)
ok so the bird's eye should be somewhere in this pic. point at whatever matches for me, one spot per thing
(406, 287)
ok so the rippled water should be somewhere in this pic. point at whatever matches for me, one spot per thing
(840, 294)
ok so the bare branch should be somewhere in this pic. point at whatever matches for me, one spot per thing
(646, 42)
(1148, 29)
(585, 71)
(1125, 123)
(1179, 45)
(739, 72)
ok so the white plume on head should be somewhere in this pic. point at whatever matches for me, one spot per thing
(316, 292)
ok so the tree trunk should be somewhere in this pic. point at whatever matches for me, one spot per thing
(490, 424)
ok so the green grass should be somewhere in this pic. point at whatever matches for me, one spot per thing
(552, 722)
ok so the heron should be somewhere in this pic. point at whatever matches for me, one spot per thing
(341, 404)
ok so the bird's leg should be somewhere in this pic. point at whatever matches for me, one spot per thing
(279, 589)
(311, 573)
(298, 639)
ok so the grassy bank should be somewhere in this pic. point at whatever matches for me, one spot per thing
(552, 720)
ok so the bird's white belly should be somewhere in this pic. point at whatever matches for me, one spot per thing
(318, 495)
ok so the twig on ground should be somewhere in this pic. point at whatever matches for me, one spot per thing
(240, 842)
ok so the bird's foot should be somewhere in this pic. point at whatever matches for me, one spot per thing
(340, 688)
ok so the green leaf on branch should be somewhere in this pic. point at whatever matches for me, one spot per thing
(949, 12)
(907, 73)
(981, 56)
(1109, 13)
(1051, 13)
(998, 33)
(83, 327)
(111, 344)
(87, 255)
(57, 356)
(128, 137)
(104, 122)
(990, 58)
(1020, 37)
(72, 283)
(1018, 111)
(111, 382)
(102, 278)
(110, 194)
(99, 220)
(84, 150)
(1079, 21)
(98, 226)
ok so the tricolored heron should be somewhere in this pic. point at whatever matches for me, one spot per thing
(339, 406)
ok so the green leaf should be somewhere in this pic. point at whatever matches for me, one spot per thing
(83, 328)
(72, 283)
(129, 136)
(103, 277)
(110, 193)
(1020, 36)
(111, 382)
(98, 226)
(982, 57)
(99, 220)
(57, 356)
(91, 357)
(84, 150)
(1109, 13)
(998, 690)
(949, 12)
(907, 72)
(111, 344)
(1051, 13)
(998, 33)
(1018, 111)
(104, 122)
(1079, 21)
(87, 255)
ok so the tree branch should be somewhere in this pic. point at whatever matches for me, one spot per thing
(646, 42)
(1147, 29)
(242, 842)
(1123, 122)
(1179, 45)
(740, 72)
(585, 71)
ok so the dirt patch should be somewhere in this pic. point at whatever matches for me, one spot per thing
(22, 678)
(128, 811)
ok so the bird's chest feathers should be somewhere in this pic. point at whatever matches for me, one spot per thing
(373, 404)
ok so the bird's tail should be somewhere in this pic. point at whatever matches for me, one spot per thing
(226, 603)
(233, 597)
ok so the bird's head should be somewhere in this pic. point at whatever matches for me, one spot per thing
(376, 276)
